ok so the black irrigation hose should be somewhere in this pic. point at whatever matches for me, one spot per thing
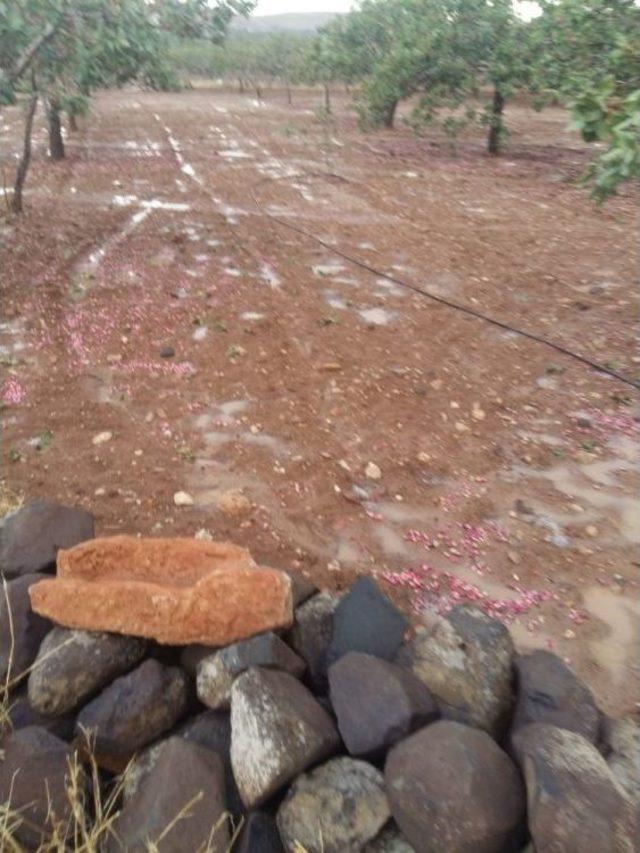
(532, 336)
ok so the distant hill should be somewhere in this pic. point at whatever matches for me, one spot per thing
(294, 22)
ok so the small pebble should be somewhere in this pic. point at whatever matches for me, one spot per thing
(102, 437)
(183, 499)
(372, 471)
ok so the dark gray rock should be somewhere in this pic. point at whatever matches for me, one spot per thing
(190, 657)
(135, 709)
(31, 537)
(452, 788)
(277, 731)
(336, 808)
(466, 661)
(259, 835)
(212, 729)
(377, 703)
(21, 630)
(621, 747)
(574, 800)
(167, 352)
(72, 666)
(22, 714)
(301, 587)
(186, 782)
(549, 692)
(217, 672)
(365, 620)
(311, 635)
(390, 840)
(33, 778)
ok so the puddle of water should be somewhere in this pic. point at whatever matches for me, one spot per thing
(269, 275)
(567, 481)
(547, 382)
(233, 407)
(235, 154)
(388, 286)
(377, 316)
(393, 544)
(335, 301)
(231, 213)
(541, 438)
(621, 616)
(304, 191)
(401, 513)
(347, 552)
(323, 270)
(262, 439)
(200, 333)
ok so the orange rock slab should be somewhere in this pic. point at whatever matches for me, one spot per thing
(175, 591)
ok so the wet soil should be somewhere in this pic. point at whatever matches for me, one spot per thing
(503, 472)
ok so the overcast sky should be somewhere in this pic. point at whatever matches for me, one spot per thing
(276, 7)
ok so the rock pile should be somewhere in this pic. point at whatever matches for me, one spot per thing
(329, 728)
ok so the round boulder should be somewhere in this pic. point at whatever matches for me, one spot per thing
(452, 788)
(336, 808)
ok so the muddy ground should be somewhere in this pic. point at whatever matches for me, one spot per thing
(327, 418)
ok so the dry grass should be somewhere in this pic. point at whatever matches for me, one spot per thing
(9, 499)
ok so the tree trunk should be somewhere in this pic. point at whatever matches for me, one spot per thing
(258, 91)
(240, 85)
(390, 114)
(289, 97)
(23, 166)
(327, 99)
(73, 121)
(56, 143)
(496, 126)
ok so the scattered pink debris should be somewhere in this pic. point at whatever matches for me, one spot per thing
(578, 616)
(605, 425)
(461, 541)
(13, 392)
(444, 590)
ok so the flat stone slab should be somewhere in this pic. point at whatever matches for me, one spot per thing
(175, 591)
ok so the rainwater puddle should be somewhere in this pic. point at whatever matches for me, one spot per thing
(335, 301)
(389, 287)
(621, 615)
(235, 154)
(200, 333)
(586, 483)
(377, 316)
(270, 276)
(330, 269)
